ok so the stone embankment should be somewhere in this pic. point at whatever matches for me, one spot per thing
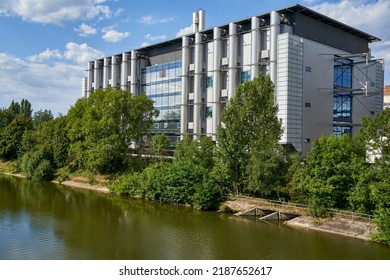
(351, 227)
(342, 226)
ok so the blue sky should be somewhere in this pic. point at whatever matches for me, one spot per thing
(45, 44)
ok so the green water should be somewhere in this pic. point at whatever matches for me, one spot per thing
(48, 221)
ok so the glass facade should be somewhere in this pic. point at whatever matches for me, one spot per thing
(245, 76)
(342, 97)
(340, 129)
(162, 84)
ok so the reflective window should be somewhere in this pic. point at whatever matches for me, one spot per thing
(339, 130)
(342, 97)
(342, 107)
(209, 82)
(162, 84)
(343, 73)
(209, 112)
(245, 76)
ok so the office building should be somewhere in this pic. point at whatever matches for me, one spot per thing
(324, 75)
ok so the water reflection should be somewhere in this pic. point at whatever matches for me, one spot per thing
(47, 221)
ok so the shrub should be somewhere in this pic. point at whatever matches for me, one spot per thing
(207, 196)
(30, 162)
(128, 185)
(382, 221)
(36, 166)
(44, 171)
(317, 208)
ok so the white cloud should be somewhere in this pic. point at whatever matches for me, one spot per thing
(55, 11)
(45, 55)
(184, 31)
(150, 37)
(114, 36)
(81, 54)
(118, 12)
(85, 30)
(151, 20)
(46, 87)
(145, 44)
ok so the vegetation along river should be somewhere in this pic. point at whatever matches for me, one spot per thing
(49, 221)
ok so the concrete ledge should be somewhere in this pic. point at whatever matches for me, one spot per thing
(341, 226)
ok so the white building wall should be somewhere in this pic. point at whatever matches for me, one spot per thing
(317, 101)
(209, 90)
(289, 88)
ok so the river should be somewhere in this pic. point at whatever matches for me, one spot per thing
(49, 221)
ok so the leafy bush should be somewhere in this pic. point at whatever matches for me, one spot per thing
(382, 221)
(36, 166)
(317, 207)
(44, 171)
(207, 196)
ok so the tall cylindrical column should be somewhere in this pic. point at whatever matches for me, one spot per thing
(198, 89)
(185, 56)
(124, 72)
(232, 59)
(275, 31)
(134, 74)
(202, 20)
(114, 72)
(216, 81)
(106, 69)
(195, 22)
(255, 47)
(97, 70)
(90, 78)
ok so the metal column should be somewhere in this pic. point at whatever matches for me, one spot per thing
(255, 47)
(184, 87)
(114, 72)
(124, 72)
(198, 87)
(232, 60)
(216, 81)
(97, 70)
(90, 78)
(106, 74)
(134, 74)
(275, 31)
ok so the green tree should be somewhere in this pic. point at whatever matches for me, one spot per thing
(250, 131)
(105, 125)
(41, 116)
(160, 143)
(375, 135)
(6, 117)
(11, 137)
(330, 175)
(199, 152)
(23, 109)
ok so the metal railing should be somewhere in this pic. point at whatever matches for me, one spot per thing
(301, 208)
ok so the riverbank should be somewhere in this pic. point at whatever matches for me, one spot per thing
(361, 229)
(347, 227)
(336, 225)
(78, 183)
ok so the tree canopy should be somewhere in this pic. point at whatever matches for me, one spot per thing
(104, 126)
(248, 148)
